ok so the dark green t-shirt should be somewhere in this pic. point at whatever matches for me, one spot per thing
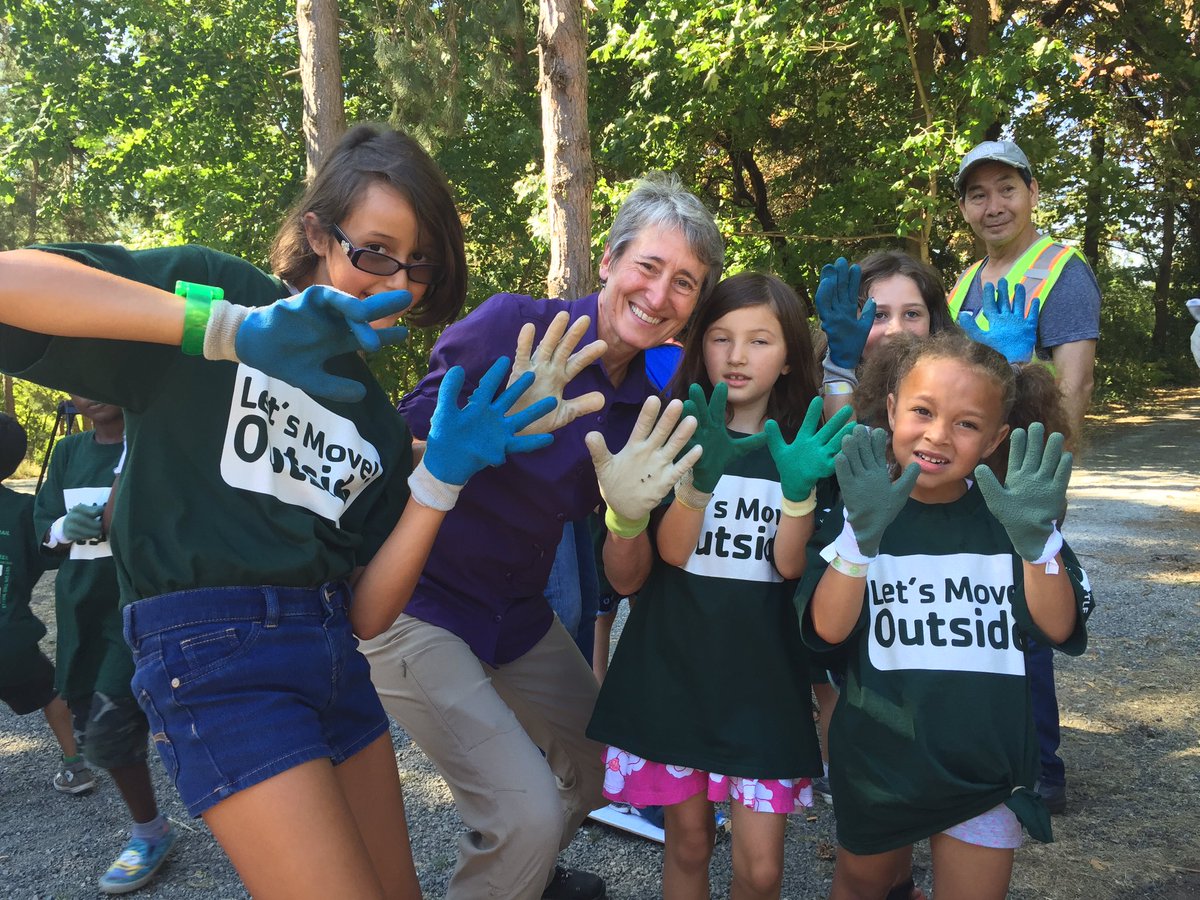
(90, 653)
(934, 725)
(20, 567)
(710, 671)
(232, 477)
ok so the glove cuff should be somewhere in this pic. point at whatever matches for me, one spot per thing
(56, 538)
(1054, 544)
(846, 546)
(835, 374)
(798, 508)
(690, 495)
(429, 490)
(623, 527)
(220, 335)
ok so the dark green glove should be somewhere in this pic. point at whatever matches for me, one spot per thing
(809, 457)
(871, 498)
(719, 448)
(1034, 494)
(82, 522)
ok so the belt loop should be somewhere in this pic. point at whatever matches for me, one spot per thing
(330, 596)
(271, 618)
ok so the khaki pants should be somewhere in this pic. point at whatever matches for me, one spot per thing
(482, 727)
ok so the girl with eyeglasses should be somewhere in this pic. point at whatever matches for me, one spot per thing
(267, 474)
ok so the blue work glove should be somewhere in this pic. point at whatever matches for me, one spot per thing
(464, 440)
(837, 305)
(293, 338)
(82, 522)
(871, 498)
(1010, 332)
(809, 457)
(711, 433)
(1034, 494)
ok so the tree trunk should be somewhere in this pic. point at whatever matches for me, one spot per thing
(562, 82)
(321, 78)
(10, 402)
(1162, 281)
(1093, 223)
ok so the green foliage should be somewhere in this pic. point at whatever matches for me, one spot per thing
(35, 408)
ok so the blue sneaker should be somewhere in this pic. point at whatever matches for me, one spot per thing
(137, 865)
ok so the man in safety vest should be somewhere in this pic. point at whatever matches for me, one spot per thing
(997, 194)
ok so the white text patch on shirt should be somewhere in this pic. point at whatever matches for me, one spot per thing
(737, 539)
(949, 613)
(281, 442)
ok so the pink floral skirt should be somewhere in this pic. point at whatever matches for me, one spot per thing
(640, 782)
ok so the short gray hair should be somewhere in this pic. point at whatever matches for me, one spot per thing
(659, 200)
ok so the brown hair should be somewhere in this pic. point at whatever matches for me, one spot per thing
(1029, 392)
(886, 263)
(367, 154)
(792, 391)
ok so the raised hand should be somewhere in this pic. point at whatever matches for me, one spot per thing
(719, 448)
(554, 365)
(293, 338)
(464, 440)
(635, 481)
(82, 522)
(837, 305)
(809, 457)
(1034, 494)
(871, 498)
(1010, 331)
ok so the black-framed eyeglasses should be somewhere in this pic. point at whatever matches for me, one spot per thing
(381, 264)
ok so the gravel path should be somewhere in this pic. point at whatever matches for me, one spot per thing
(1134, 522)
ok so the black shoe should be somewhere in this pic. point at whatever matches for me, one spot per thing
(1054, 796)
(574, 884)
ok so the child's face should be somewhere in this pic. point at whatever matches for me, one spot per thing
(382, 220)
(899, 307)
(945, 417)
(746, 350)
(99, 413)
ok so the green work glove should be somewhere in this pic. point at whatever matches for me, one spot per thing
(809, 457)
(1034, 494)
(634, 481)
(719, 448)
(82, 522)
(871, 498)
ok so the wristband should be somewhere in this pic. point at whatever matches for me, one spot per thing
(689, 495)
(196, 310)
(836, 388)
(798, 508)
(854, 570)
(623, 527)
(429, 490)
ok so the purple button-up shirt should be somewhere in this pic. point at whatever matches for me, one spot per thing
(487, 572)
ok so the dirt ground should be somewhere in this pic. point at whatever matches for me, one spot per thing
(1130, 704)
(1130, 714)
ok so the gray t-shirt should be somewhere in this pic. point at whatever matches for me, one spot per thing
(1071, 312)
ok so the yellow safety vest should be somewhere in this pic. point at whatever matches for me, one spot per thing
(1038, 269)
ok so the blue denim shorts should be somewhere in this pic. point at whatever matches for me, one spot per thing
(242, 683)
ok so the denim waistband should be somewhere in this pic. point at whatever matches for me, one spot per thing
(265, 603)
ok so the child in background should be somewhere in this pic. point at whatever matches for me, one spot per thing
(94, 665)
(934, 583)
(707, 697)
(26, 675)
(862, 307)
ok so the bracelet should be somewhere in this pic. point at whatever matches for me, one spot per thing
(196, 310)
(623, 527)
(798, 508)
(854, 570)
(836, 388)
